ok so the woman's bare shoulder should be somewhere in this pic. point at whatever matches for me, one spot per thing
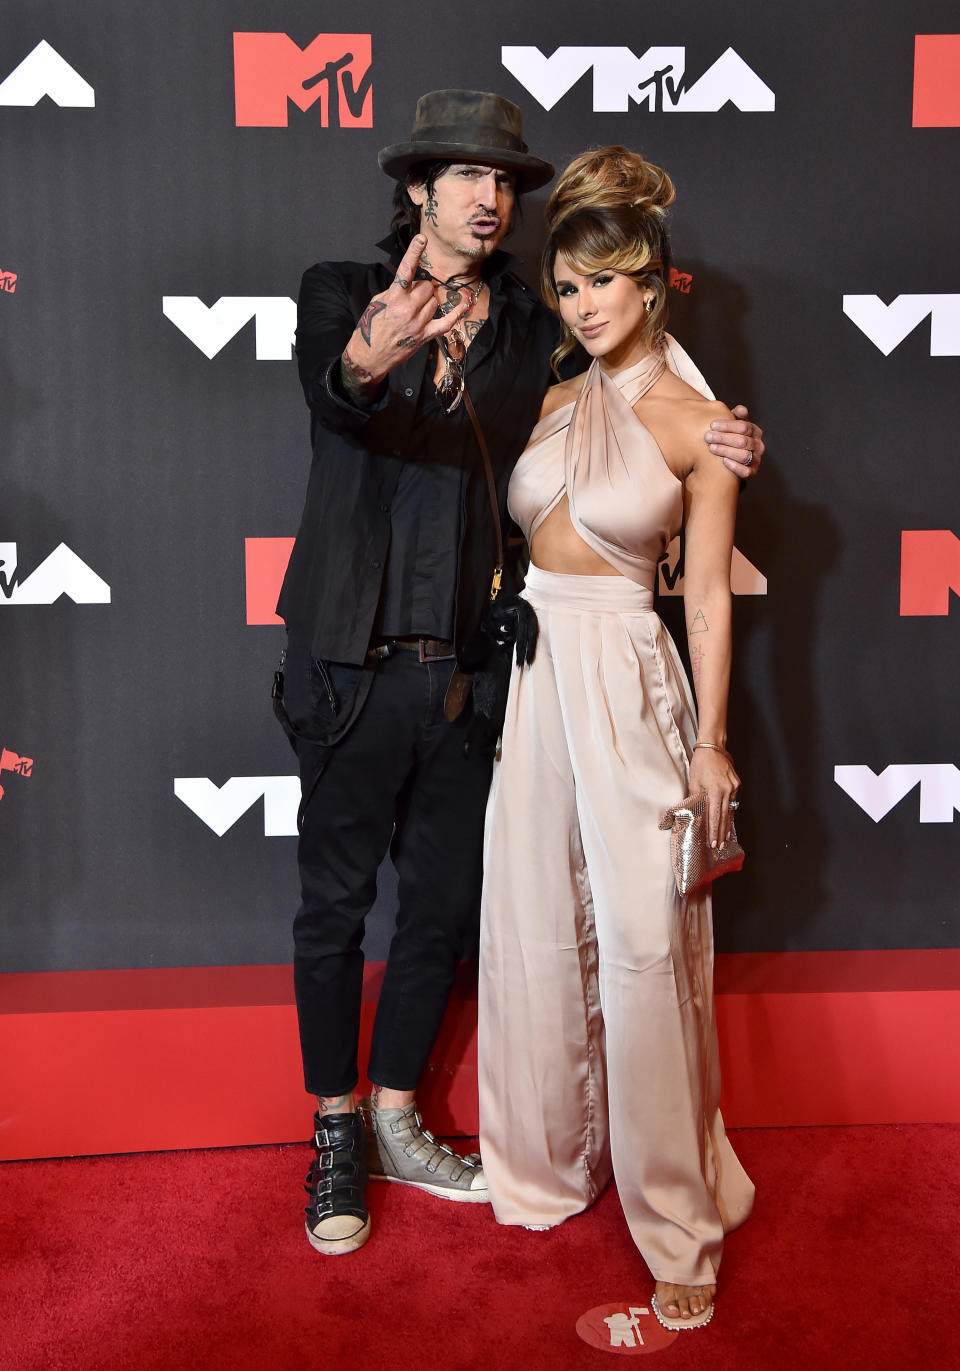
(564, 393)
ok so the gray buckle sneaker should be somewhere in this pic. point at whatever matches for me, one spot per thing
(402, 1150)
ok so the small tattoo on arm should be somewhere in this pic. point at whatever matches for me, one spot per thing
(367, 318)
(358, 383)
(696, 661)
(699, 623)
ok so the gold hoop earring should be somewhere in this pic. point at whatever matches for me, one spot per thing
(650, 304)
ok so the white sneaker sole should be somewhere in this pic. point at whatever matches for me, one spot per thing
(338, 1247)
(441, 1192)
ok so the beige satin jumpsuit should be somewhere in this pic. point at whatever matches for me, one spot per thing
(598, 1045)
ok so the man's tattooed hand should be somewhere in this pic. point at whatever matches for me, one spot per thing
(367, 318)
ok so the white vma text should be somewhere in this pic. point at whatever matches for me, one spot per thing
(44, 72)
(878, 793)
(887, 325)
(61, 573)
(210, 327)
(220, 807)
(656, 79)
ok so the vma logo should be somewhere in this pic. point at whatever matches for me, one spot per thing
(20, 766)
(44, 72)
(211, 328)
(887, 325)
(62, 573)
(269, 69)
(936, 81)
(878, 794)
(657, 80)
(929, 570)
(220, 807)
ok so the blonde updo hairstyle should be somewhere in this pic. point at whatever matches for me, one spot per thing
(607, 212)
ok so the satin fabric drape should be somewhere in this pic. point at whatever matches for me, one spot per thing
(598, 1048)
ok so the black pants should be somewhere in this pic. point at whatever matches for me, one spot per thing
(396, 779)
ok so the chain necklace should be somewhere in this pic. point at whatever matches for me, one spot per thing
(453, 289)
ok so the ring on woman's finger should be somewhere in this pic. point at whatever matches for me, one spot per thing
(747, 458)
(733, 804)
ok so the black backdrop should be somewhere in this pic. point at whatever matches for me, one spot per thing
(153, 462)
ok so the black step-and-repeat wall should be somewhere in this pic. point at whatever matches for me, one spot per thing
(167, 173)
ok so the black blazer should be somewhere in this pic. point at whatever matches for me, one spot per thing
(332, 586)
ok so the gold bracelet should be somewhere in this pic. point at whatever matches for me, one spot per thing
(714, 747)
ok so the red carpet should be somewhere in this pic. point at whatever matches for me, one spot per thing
(198, 1260)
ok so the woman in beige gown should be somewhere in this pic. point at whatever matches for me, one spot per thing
(598, 1047)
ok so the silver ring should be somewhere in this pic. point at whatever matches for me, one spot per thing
(733, 804)
(747, 459)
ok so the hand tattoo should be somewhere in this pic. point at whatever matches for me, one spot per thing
(367, 318)
(406, 342)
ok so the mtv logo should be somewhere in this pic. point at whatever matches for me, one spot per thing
(266, 565)
(61, 573)
(657, 79)
(9, 761)
(8, 281)
(681, 281)
(936, 81)
(269, 69)
(887, 325)
(929, 570)
(220, 807)
(745, 579)
(44, 72)
(878, 793)
(212, 327)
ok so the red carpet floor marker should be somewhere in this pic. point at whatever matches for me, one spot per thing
(628, 1329)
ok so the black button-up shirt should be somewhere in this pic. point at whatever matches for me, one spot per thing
(356, 501)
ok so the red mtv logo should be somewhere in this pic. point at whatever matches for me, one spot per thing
(266, 560)
(269, 69)
(8, 281)
(10, 761)
(681, 280)
(929, 570)
(936, 81)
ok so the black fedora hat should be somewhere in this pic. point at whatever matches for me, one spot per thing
(468, 126)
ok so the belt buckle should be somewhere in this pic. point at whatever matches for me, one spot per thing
(431, 656)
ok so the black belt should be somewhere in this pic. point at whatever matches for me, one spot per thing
(427, 649)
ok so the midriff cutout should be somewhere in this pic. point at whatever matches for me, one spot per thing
(558, 547)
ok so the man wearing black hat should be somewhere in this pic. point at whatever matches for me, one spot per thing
(383, 600)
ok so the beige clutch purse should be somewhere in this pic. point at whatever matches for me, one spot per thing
(695, 862)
